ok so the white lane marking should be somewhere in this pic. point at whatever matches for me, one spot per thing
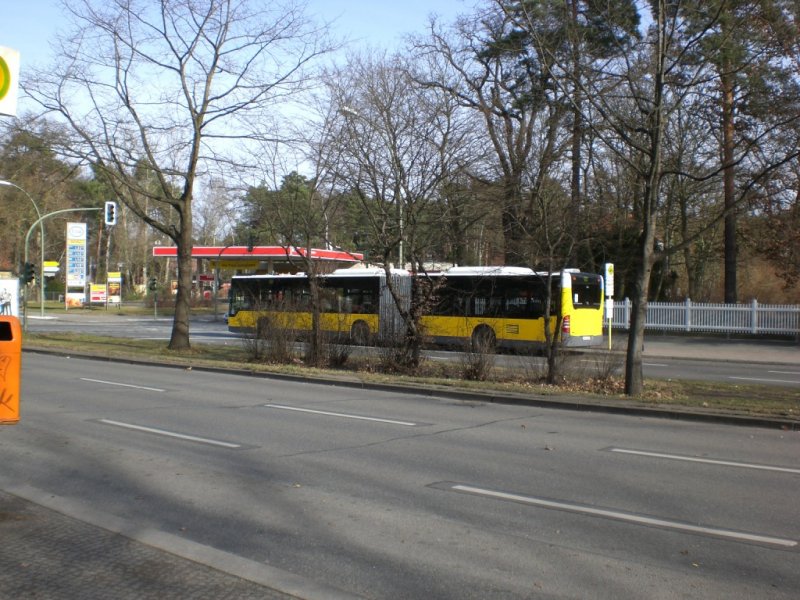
(600, 361)
(636, 519)
(785, 372)
(710, 461)
(138, 387)
(343, 415)
(172, 434)
(194, 337)
(147, 320)
(764, 380)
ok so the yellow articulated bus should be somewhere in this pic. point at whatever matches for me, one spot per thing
(505, 307)
(350, 302)
(500, 307)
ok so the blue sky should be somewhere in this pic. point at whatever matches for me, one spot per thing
(29, 25)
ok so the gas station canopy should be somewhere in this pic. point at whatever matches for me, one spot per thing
(276, 258)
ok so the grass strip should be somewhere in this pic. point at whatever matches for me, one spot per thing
(749, 399)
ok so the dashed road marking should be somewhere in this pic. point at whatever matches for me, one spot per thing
(764, 380)
(172, 434)
(709, 461)
(741, 536)
(342, 415)
(128, 385)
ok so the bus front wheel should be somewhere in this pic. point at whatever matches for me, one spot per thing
(484, 339)
(359, 333)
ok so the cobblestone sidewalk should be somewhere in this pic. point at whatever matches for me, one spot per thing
(45, 555)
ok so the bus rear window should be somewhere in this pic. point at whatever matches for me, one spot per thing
(586, 291)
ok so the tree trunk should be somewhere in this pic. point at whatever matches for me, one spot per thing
(515, 250)
(577, 118)
(513, 239)
(315, 345)
(553, 343)
(728, 186)
(180, 325)
(634, 376)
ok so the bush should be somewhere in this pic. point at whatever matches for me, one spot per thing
(478, 359)
(271, 342)
(337, 349)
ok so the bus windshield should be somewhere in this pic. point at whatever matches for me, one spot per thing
(587, 291)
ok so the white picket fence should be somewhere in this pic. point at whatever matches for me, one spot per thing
(688, 316)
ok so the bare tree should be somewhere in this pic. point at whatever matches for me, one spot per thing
(489, 66)
(635, 95)
(399, 146)
(295, 216)
(648, 84)
(174, 88)
(216, 212)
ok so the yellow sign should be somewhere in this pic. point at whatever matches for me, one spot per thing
(234, 264)
(9, 81)
(98, 293)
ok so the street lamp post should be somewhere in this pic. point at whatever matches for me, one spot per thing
(216, 278)
(41, 234)
(27, 239)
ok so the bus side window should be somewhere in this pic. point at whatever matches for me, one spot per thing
(478, 307)
(515, 308)
(369, 301)
(245, 301)
(305, 301)
(537, 308)
(460, 306)
(451, 303)
(328, 300)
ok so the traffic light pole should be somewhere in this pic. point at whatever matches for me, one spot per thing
(41, 239)
(41, 267)
(152, 285)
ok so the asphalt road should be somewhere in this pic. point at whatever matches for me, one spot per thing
(388, 495)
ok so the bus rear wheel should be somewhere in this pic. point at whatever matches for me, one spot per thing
(359, 333)
(484, 339)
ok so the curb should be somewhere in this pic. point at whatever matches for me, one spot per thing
(573, 403)
(656, 356)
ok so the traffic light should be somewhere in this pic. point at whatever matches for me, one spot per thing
(28, 273)
(111, 213)
(152, 285)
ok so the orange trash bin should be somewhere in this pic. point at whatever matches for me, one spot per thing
(10, 369)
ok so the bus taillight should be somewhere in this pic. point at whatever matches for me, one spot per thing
(565, 325)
